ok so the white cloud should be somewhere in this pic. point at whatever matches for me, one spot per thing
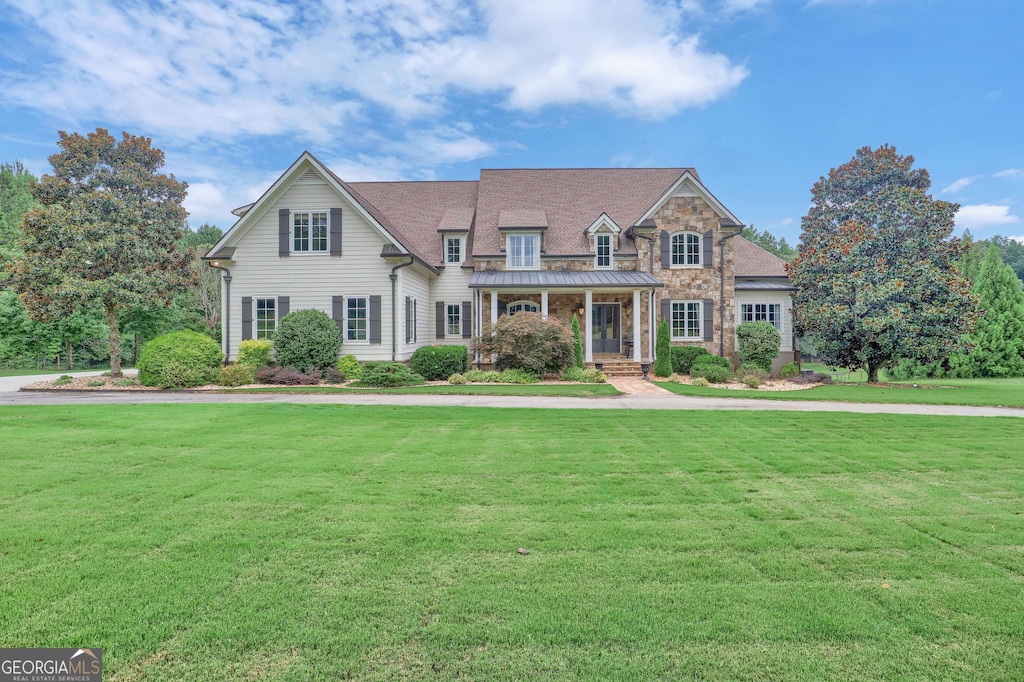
(979, 216)
(957, 185)
(1018, 239)
(1009, 173)
(742, 5)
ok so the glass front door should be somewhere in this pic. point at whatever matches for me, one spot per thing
(604, 327)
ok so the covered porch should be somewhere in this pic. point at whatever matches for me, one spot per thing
(614, 307)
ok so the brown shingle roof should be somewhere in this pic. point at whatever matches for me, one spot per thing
(753, 261)
(570, 200)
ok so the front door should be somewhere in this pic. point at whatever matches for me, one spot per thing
(604, 327)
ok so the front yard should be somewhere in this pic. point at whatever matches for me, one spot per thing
(224, 542)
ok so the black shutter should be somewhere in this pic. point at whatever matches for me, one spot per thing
(335, 228)
(709, 319)
(284, 233)
(246, 317)
(467, 319)
(502, 307)
(666, 250)
(709, 248)
(666, 312)
(414, 330)
(440, 322)
(374, 319)
(283, 306)
(338, 313)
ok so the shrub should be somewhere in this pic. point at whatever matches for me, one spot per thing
(577, 342)
(237, 375)
(517, 376)
(683, 357)
(479, 376)
(759, 343)
(286, 376)
(457, 380)
(179, 360)
(528, 342)
(62, 380)
(699, 381)
(812, 378)
(332, 375)
(307, 340)
(126, 382)
(254, 352)
(716, 374)
(388, 375)
(662, 352)
(750, 370)
(710, 360)
(751, 381)
(788, 370)
(590, 375)
(95, 382)
(435, 363)
(349, 366)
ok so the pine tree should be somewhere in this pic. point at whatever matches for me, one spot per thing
(577, 342)
(998, 337)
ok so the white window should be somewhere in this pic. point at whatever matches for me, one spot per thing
(603, 246)
(686, 248)
(266, 317)
(309, 231)
(686, 320)
(523, 252)
(355, 318)
(410, 320)
(522, 307)
(453, 319)
(762, 312)
(453, 250)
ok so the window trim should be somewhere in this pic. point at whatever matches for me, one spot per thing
(461, 240)
(597, 251)
(327, 232)
(768, 305)
(521, 303)
(535, 236)
(700, 320)
(448, 333)
(684, 234)
(256, 316)
(366, 319)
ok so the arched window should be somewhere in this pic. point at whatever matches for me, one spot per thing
(522, 307)
(686, 248)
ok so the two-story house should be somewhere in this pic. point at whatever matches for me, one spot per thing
(399, 265)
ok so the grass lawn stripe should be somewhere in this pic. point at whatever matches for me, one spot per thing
(282, 541)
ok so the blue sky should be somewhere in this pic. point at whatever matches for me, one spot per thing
(761, 96)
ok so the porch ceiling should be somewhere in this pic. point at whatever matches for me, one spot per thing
(558, 279)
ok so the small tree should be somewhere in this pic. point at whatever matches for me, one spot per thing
(529, 342)
(577, 342)
(759, 343)
(105, 233)
(663, 352)
(307, 340)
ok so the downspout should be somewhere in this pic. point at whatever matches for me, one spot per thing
(721, 288)
(225, 306)
(394, 306)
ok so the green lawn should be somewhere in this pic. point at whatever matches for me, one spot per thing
(288, 542)
(560, 390)
(31, 372)
(990, 392)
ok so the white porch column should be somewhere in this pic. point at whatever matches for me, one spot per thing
(588, 337)
(494, 308)
(544, 304)
(651, 330)
(636, 325)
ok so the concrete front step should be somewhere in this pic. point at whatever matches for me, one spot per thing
(620, 368)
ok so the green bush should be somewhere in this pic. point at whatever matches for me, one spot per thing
(388, 375)
(435, 363)
(716, 374)
(237, 375)
(528, 342)
(307, 340)
(751, 370)
(590, 375)
(759, 343)
(457, 380)
(179, 360)
(332, 375)
(710, 360)
(790, 369)
(577, 342)
(662, 352)
(517, 376)
(287, 376)
(480, 376)
(93, 383)
(683, 357)
(62, 380)
(699, 381)
(349, 366)
(751, 381)
(254, 352)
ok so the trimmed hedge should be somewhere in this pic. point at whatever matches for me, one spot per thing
(307, 340)
(180, 360)
(287, 376)
(759, 343)
(684, 356)
(589, 375)
(254, 352)
(710, 360)
(388, 375)
(237, 375)
(716, 374)
(435, 363)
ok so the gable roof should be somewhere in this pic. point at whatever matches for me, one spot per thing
(750, 260)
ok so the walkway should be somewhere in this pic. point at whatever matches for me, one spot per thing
(634, 386)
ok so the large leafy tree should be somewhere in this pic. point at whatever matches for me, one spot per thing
(769, 242)
(876, 273)
(15, 201)
(105, 233)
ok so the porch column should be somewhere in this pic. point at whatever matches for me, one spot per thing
(544, 304)
(636, 325)
(494, 308)
(651, 329)
(588, 337)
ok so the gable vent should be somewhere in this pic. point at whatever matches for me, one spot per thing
(309, 176)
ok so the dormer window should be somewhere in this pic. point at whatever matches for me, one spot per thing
(523, 251)
(453, 250)
(603, 249)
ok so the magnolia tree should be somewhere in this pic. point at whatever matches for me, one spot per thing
(876, 273)
(104, 233)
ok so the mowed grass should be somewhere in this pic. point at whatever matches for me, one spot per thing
(288, 542)
(984, 392)
(552, 390)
